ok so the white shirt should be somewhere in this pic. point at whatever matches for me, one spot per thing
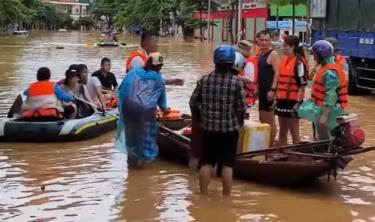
(92, 84)
(249, 71)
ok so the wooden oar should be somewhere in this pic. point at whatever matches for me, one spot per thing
(359, 151)
(93, 105)
(175, 133)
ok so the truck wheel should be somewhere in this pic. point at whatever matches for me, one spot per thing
(352, 83)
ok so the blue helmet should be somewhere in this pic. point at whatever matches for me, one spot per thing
(323, 49)
(224, 54)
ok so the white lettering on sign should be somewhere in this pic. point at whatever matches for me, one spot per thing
(366, 41)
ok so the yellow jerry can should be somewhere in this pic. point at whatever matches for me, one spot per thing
(254, 136)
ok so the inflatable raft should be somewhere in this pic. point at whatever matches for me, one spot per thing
(107, 44)
(13, 130)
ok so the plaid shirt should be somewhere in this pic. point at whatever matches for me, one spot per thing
(220, 100)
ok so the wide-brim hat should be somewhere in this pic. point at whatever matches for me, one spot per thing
(244, 47)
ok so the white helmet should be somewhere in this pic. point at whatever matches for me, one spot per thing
(239, 62)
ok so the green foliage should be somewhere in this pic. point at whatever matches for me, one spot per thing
(34, 13)
(150, 14)
(85, 21)
(12, 11)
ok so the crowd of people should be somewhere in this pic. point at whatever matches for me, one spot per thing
(221, 101)
(78, 95)
(248, 72)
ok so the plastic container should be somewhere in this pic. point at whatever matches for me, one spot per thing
(254, 136)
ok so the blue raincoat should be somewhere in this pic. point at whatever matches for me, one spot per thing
(139, 95)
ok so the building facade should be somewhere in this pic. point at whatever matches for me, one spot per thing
(74, 8)
(253, 19)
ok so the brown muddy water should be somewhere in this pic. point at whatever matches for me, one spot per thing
(89, 181)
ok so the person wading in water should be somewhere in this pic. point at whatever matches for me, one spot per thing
(219, 102)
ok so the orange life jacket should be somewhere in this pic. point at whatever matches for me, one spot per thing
(250, 88)
(42, 113)
(172, 115)
(287, 88)
(38, 93)
(132, 55)
(112, 103)
(339, 59)
(258, 53)
(318, 88)
(42, 88)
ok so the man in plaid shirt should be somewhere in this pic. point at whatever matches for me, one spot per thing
(219, 102)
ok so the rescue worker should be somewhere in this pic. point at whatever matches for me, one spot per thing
(290, 92)
(219, 102)
(138, 110)
(329, 96)
(339, 59)
(249, 73)
(43, 97)
(268, 66)
(138, 57)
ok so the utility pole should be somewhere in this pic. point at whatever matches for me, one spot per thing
(239, 22)
(208, 21)
(293, 17)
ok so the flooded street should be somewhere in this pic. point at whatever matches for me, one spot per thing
(89, 181)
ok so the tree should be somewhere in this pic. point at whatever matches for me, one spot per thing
(12, 11)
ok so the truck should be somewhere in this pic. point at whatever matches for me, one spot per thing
(352, 23)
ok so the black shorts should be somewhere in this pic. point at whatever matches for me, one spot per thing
(219, 148)
(285, 108)
(264, 104)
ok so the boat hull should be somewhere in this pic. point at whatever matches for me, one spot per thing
(12, 130)
(107, 44)
(287, 170)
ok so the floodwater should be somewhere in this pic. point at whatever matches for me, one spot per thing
(89, 181)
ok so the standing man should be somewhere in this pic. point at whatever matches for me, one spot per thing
(220, 103)
(138, 57)
(138, 109)
(268, 66)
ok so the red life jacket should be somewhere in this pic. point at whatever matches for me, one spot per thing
(250, 88)
(318, 88)
(132, 55)
(287, 88)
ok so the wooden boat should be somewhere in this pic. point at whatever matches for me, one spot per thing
(297, 164)
(20, 32)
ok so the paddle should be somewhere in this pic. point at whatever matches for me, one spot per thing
(97, 107)
(175, 133)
